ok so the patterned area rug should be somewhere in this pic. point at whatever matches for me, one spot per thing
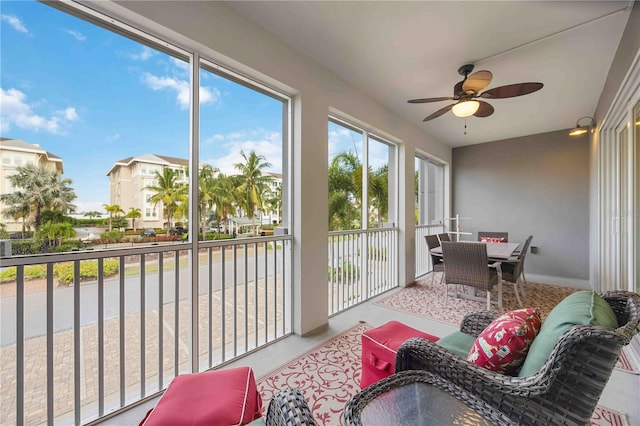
(329, 375)
(426, 300)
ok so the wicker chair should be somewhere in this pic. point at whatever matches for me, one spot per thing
(444, 237)
(504, 235)
(467, 264)
(436, 261)
(512, 271)
(565, 390)
(288, 408)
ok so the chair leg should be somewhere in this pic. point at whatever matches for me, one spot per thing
(500, 293)
(524, 291)
(488, 300)
(515, 286)
(446, 293)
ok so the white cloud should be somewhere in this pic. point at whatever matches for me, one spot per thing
(76, 34)
(14, 110)
(15, 23)
(181, 89)
(228, 148)
(113, 138)
(70, 114)
(144, 55)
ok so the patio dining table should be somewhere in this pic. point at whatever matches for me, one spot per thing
(496, 252)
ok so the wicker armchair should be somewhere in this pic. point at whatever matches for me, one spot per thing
(482, 234)
(565, 390)
(289, 408)
(467, 264)
(436, 261)
(512, 271)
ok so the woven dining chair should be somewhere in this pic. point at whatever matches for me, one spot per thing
(498, 235)
(467, 264)
(436, 261)
(444, 237)
(512, 271)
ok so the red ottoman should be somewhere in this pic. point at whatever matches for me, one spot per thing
(220, 397)
(379, 347)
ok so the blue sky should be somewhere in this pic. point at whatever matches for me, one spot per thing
(93, 97)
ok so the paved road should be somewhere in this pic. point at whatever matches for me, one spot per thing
(35, 303)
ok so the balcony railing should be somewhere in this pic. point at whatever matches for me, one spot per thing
(74, 350)
(362, 264)
(423, 259)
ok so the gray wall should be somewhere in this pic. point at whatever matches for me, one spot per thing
(534, 185)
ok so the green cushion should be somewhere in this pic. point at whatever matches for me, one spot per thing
(580, 308)
(257, 422)
(457, 342)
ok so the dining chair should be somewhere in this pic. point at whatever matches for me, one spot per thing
(467, 264)
(494, 237)
(512, 271)
(436, 261)
(444, 237)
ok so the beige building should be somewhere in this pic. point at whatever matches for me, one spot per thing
(130, 176)
(13, 154)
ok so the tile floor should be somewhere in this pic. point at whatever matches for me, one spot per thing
(621, 394)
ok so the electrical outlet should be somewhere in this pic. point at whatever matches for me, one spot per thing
(534, 249)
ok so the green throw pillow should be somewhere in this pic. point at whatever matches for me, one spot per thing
(580, 308)
(458, 343)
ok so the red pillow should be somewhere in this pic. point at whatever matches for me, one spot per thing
(503, 345)
(492, 240)
(211, 398)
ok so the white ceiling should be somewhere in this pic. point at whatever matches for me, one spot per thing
(397, 50)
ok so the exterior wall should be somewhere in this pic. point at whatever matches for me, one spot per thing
(10, 159)
(535, 185)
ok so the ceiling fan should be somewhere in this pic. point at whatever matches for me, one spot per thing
(467, 90)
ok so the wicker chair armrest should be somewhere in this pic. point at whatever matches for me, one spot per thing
(474, 322)
(421, 354)
(289, 408)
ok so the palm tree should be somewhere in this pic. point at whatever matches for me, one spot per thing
(133, 214)
(223, 193)
(379, 192)
(169, 192)
(112, 209)
(19, 208)
(206, 190)
(345, 191)
(253, 183)
(41, 188)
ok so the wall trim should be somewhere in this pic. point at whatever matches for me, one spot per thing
(562, 281)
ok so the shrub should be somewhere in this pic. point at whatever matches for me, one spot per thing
(88, 270)
(348, 271)
(24, 247)
(214, 236)
(31, 272)
(114, 235)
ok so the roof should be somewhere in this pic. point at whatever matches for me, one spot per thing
(164, 160)
(22, 146)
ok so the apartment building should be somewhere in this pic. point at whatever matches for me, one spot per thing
(15, 153)
(129, 178)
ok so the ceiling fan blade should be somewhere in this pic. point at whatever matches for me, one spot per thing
(484, 110)
(477, 81)
(426, 100)
(439, 112)
(511, 90)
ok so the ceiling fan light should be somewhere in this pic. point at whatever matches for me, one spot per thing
(465, 108)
